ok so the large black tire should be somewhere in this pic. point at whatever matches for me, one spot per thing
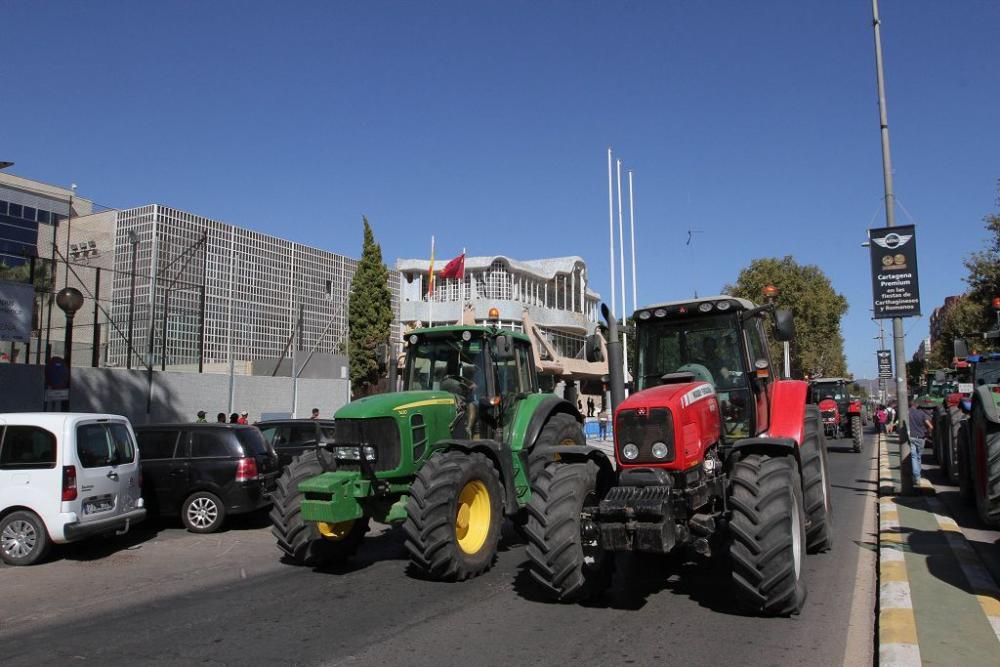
(560, 430)
(768, 535)
(985, 468)
(955, 420)
(566, 565)
(454, 516)
(23, 538)
(816, 484)
(942, 443)
(856, 434)
(964, 469)
(301, 542)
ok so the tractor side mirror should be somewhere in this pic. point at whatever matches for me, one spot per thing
(961, 348)
(504, 347)
(784, 326)
(592, 348)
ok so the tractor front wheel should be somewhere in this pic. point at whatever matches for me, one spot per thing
(564, 551)
(985, 469)
(964, 450)
(307, 543)
(767, 535)
(816, 485)
(454, 516)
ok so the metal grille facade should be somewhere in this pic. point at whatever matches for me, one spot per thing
(253, 284)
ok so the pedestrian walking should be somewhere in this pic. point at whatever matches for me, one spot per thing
(880, 419)
(590, 407)
(220, 418)
(602, 424)
(244, 418)
(918, 429)
(315, 413)
(579, 406)
(201, 417)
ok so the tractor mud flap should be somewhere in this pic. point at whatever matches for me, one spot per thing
(636, 518)
(333, 497)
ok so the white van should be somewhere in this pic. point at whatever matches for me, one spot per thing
(64, 477)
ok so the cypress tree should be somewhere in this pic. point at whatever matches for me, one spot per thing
(369, 315)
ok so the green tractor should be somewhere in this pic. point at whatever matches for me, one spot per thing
(448, 457)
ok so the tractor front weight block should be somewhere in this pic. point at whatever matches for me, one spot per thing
(333, 497)
(634, 518)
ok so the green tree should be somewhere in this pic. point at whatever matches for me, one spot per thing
(818, 348)
(369, 316)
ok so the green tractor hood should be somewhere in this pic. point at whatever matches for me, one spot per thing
(397, 404)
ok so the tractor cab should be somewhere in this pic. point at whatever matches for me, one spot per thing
(719, 340)
(488, 371)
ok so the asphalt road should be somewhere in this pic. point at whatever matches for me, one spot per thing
(165, 596)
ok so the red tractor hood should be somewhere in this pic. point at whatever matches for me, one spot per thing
(694, 409)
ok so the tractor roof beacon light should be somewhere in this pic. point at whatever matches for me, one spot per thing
(494, 313)
(995, 303)
(771, 293)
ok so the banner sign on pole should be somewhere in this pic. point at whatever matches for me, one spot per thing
(16, 307)
(884, 364)
(895, 288)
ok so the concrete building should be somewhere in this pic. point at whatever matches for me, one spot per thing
(550, 299)
(27, 206)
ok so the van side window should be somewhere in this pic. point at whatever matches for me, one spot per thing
(27, 447)
(156, 444)
(121, 439)
(206, 443)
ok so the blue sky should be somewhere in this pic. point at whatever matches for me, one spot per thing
(487, 124)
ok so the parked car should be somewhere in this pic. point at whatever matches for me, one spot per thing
(291, 437)
(205, 472)
(64, 477)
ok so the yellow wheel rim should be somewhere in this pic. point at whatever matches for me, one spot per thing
(335, 531)
(472, 520)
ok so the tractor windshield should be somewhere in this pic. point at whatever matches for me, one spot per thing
(988, 372)
(706, 346)
(834, 390)
(447, 363)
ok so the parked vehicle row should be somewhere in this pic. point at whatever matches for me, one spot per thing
(65, 477)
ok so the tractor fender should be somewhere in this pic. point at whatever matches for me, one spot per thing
(984, 396)
(581, 454)
(854, 408)
(788, 410)
(529, 427)
(768, 446)
(499, 454)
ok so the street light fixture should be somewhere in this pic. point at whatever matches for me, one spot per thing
(69, 301)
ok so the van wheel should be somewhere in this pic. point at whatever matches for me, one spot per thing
(23, 539)
(203, 512)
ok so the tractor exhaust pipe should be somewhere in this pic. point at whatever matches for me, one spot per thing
(616, 368)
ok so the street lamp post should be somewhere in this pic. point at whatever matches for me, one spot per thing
(69, 301)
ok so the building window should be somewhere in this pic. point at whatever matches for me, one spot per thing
(15, 210)
(28, 213)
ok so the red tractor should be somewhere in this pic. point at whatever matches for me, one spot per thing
(848, 407)
(830, 414)
(716, 456)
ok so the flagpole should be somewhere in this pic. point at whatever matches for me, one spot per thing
(631, 219)
(621, 250)
(611, 231)
(462, 284)
(430, 291)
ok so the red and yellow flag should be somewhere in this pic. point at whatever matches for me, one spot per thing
(430, 274)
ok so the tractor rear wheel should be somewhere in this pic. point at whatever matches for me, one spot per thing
(816, 485)
(964, 468)
(768, 535)
(454, 516)
(942, 446)
(856, 434)
(985, 468)
(564, 551)
(302, 542)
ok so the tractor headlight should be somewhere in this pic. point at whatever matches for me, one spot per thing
(342, 453)
(630, 451)
(660, 450)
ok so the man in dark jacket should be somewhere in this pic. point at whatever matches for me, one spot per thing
(918, 429)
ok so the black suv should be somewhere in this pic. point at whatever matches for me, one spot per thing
(291, 437)
(205, 471)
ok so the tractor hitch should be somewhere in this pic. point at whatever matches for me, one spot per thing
(638, 518)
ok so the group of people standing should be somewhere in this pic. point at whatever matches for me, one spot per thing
(238, 417)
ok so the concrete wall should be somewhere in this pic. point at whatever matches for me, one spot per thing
(175, 396)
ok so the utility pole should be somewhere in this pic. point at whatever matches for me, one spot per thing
(899, 347)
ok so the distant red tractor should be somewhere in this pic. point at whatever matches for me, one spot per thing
(848, 407)
(715, 455)
(830, 414)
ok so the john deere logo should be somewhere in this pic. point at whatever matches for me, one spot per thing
(892, 240)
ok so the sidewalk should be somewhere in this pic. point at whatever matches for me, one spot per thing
(938, 603)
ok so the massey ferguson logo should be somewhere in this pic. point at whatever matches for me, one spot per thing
(892, 240)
